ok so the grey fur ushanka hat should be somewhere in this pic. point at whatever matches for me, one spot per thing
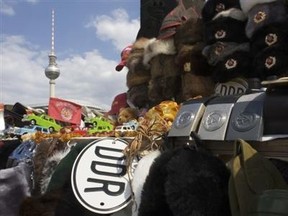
(265, 14)
(219, 50)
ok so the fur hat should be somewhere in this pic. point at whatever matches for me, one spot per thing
(213, 7)
(138, 95)
(157, 47)
(272, 62)
(237, 64)
(138, 73)
(227, 26)
(247, 5)
(265, 14)
(184, 10)
(219, 50)
(136, 55)
(189, 33)
(164, 88)
(134, 79)
(269, 35)
(194, 86)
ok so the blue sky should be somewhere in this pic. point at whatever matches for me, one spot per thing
(89, 36)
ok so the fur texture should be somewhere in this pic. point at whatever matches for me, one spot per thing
(265, 14)
(247, 5)
(50, 167)
(238, 64)
(153, 199)
(197, 184)
(127, 114)
(139, 177)
(185, 182)
(189, 32)
(272, 61)
(213, 7)
(219, 50)
(225, 29)
(234, 13)
(138, 96)
(135, 58)
(158, 47)
(195, 86)
(273, 34)
(43, 151)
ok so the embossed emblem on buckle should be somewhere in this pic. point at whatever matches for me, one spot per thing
(214, 121)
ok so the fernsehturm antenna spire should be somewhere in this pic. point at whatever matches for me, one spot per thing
(52, 72)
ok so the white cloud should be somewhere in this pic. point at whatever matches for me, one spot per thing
(6, 8)
(86, 76)
(117, 28)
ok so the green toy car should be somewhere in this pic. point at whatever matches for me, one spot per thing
(42, 120)
(98, 124)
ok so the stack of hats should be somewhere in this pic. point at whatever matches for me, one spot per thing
(138, 76)
(227, 47)
(194, 70)
(268, 34)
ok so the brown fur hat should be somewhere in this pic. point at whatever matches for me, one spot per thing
(189, 40)
(138, 96)
(135, 58)
(164, 88)
(194, 86)
(138, 73)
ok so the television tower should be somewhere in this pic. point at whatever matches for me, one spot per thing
(52, 71)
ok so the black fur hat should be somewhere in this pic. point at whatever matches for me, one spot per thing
(219, 50)
(272, 62)
(227, 26)
(269, 35)
(213, 7)
(265, 14)
(237, 64)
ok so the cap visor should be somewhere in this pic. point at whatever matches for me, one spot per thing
(120, 66)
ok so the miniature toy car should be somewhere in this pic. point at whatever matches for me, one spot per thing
(42, 120)
(30, 129)
(96, 121)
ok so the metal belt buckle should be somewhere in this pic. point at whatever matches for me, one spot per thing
(215, 118)
(246, 121)
(188, 118)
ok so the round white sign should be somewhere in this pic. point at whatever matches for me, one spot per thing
(99, 176)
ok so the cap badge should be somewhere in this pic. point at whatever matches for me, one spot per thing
(230, 63)
(271, 39)
(270, 62)
(220, 7)
(219, 49)
(220, 34)
(259, 17)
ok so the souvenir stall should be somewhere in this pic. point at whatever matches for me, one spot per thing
(201, 130)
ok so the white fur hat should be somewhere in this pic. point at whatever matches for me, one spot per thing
(246, 5)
